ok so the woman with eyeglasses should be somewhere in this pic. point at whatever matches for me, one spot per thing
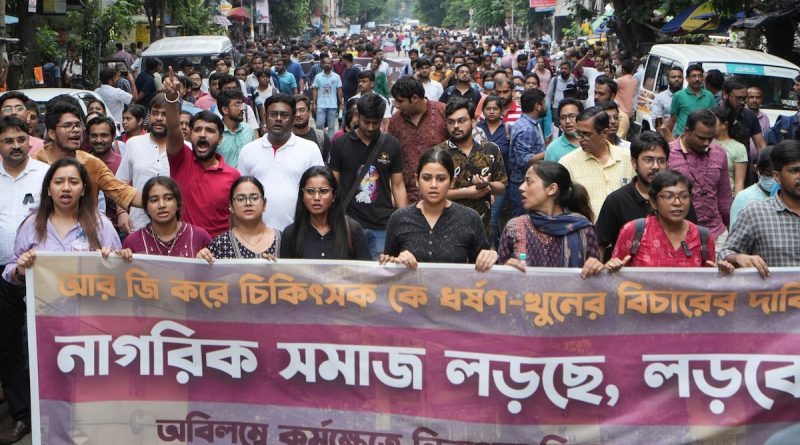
(166, 234)
(557, 231)
(666, 238)
(248, 237)
(435, 229)
(320, 229)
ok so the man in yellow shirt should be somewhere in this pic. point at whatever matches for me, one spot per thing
(599, 166)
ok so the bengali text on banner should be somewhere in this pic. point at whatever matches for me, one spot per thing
(164, 350)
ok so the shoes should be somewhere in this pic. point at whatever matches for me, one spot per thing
(14, 434)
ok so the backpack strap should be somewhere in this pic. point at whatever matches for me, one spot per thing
(320, 137)
(637, 235)
(703, 243)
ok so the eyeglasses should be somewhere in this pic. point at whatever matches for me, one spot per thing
(72, 126)
(568, 117)
(15, 109)
(649, 161)
(794, 171)
(585, 135)
(282, 114)
(323, 191)
(10, 141)
(244, 199)
(670, 197)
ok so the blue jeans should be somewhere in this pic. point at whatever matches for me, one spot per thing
(516, 200)
(326, 117)
(497, 209)
(376, 239)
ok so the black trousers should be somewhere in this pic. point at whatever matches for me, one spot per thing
(13, 364)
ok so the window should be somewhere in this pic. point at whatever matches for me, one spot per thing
(650, 73)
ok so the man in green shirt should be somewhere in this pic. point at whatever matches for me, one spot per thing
(693, 97)
(568, 111)
(236, 133)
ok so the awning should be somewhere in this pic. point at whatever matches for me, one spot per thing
(11, 20)
(600, 25)
(700, 18)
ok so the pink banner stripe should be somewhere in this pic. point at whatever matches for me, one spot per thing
(637, 404)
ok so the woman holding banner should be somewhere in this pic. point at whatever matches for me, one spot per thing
(436, 229)
(248, 237)
(666, 238)
(166, 234)
(66, 220)
(320, 229)
(558, 230)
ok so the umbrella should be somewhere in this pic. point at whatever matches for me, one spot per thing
(239, 14)
(221, 20)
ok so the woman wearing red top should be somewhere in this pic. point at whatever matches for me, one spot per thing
(668, 240)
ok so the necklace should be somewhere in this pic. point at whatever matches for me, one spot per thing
(252, 245)
(168, 245)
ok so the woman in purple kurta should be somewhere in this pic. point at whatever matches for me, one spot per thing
(166, 234)
(67, 220)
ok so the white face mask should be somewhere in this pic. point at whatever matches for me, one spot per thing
(766, 183)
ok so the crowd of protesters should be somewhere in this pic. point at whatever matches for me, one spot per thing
(479, 152)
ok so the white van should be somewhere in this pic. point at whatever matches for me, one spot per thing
(772, 74)
(201, 50)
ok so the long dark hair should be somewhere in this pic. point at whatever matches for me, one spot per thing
(88, 216)
(335, 217)
(571, 195)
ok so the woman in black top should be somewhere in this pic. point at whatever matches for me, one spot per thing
(320, 229)
(436, 229)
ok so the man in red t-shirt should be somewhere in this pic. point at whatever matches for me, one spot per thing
(204, 178)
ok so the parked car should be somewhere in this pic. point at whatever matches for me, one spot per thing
(42, 95)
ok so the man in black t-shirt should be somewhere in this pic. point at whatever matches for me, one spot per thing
(349, 77)
(380, 184)
(745, 125)
(649, 155)
(302, 129)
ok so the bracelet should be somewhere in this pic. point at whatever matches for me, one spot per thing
(172, 101)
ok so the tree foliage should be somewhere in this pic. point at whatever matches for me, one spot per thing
(95, 28)
(363, 11)
(192, 17)
(289, 17)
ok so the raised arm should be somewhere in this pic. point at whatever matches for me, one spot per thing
(173, 110)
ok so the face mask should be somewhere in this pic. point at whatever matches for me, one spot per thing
(488, 85)
(766, 183)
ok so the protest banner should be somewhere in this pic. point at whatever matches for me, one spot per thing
(165, 350)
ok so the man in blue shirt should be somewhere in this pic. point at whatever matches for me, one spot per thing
(287, 83)
(526, 144)
(295, 69)
(326, 96)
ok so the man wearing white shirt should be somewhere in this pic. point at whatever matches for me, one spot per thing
(21, 180)
(433, 89)
(115, 98)
(145, 156)
(278, 160)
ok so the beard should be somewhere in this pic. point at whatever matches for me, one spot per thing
(462, 138)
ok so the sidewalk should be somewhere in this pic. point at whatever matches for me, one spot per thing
(5, 422)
